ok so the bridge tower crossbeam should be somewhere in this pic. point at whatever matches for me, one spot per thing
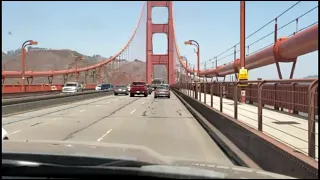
(163, 59)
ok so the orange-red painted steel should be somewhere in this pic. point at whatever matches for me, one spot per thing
(163, 59)
(37, 88)
(299, 44)
(13, 74)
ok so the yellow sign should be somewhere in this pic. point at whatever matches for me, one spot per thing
(243, 74)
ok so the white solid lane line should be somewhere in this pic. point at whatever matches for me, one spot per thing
(104, 135)
(82, 110)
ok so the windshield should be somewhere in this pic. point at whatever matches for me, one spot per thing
(236, 84)
(138, 83)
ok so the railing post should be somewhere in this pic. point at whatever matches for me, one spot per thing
(221, 96)
(200, 89)
(205, 92)
(211, 94)
(235, 101)
(194, 90)
(311, 119)
(260, 86)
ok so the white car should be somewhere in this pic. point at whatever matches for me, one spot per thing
(4, 135)
(72, 87)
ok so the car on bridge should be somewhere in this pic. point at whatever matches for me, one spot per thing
(162, 91)
(156, 82)
(72, 87)
(128, 87)
(138, 87)
(101, 87)
(121, 89)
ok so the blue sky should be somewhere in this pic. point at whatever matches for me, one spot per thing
(104, 27)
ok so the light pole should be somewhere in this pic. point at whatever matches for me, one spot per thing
(195, 43)
(24, 45)
(186, 60)
(76, 67)
(178, 73)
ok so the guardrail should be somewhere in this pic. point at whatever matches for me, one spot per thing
(32, 94)
(280, 94)
(297, 94)
(37, 88)
(267, 153)
(231, 150)
(45, 97)
(28, 94)
(19, 105)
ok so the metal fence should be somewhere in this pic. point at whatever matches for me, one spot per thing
(294, 95)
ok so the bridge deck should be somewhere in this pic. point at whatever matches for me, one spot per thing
(161, 124)
(288, 129)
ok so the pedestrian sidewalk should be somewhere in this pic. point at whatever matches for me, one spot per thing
(288, 129)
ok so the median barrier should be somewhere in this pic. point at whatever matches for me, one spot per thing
(14, 106)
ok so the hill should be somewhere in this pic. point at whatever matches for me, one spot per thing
(40, 59)
(312, 76)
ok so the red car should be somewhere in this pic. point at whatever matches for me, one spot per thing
(138, 87)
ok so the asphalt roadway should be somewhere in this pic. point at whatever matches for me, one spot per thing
(162, 124)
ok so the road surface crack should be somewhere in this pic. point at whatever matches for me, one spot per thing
(67, 108)
(98, 120)
(36, 124)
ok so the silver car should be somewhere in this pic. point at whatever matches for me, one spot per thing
(121, 89)
(162, 91)
(72, 87)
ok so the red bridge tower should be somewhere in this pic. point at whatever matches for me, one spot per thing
(164, 59)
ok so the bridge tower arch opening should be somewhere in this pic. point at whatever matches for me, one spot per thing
(166, 59)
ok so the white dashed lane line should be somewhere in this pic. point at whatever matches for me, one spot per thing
(104, 135)
(133, 111)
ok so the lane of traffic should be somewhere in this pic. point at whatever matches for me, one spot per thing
(163, 125)
(65, 113)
